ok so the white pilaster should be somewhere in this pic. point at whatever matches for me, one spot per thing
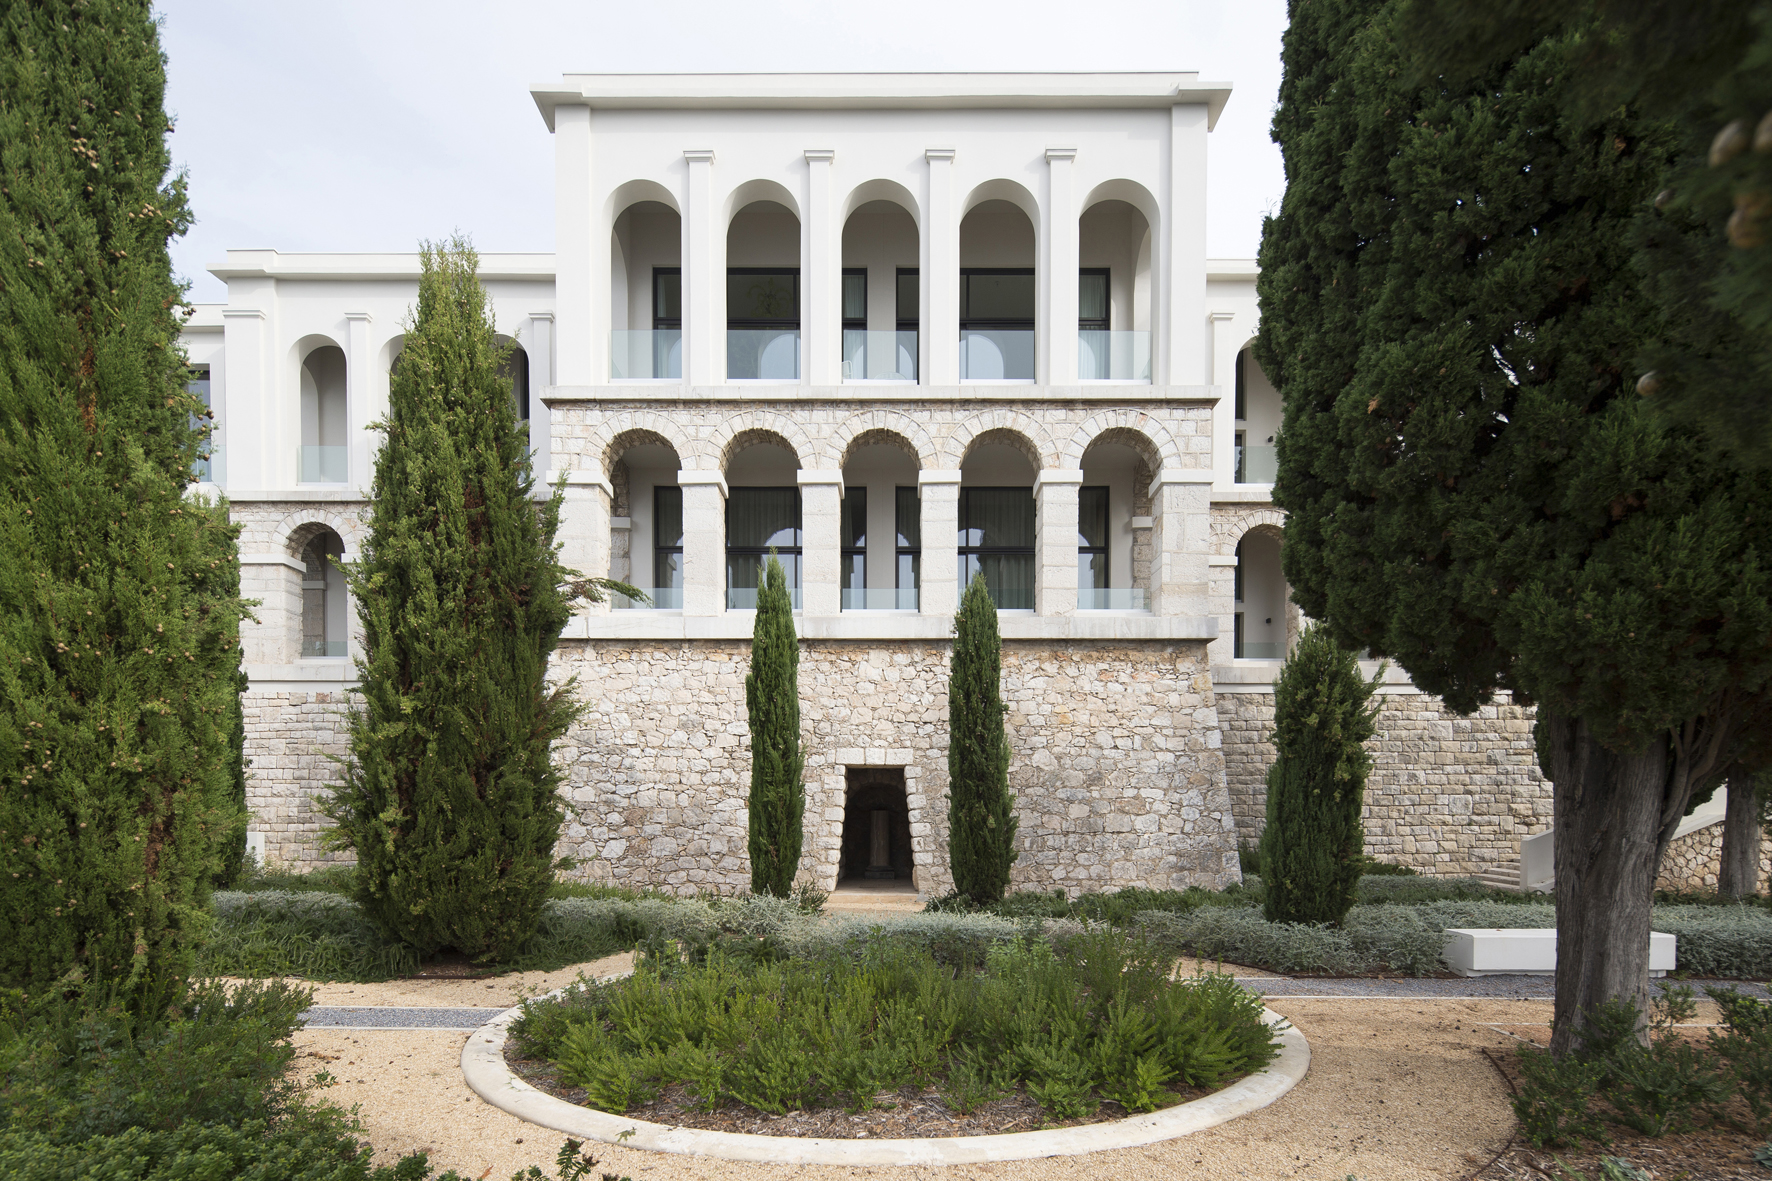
(939, 307)
(1184, 248)
(1181, 538)
(939, 524)
(584, 527)
(584, 338)
(821, 283)
(704, 542)
(821, 541)
(541, 376)
(1224, 415)
(1058, 283)
(255, 415)
(360, 408)
(1055, 540)
(704, 287)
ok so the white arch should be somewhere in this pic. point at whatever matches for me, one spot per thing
(1003, 189)
(882, 190)
(635, 191)
(752, 191)
(1131, 192)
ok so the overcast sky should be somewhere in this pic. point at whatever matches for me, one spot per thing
(370, 124)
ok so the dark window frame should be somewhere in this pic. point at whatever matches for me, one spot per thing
(660, 551)
(741, 323)
(1105, 322)
(851, 549)
(904, 323)
(901, 550)
(966, 322)
(797, 550)
(1107, 577)
(854, 323)
(1237, 601)
(659, 321)
(1242, 406)
(965, 551)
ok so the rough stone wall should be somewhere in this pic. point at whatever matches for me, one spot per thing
(288, 738)
(1692, 861)
(1447, 795)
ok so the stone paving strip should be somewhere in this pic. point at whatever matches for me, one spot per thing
(395, 1017)
(1473, 988)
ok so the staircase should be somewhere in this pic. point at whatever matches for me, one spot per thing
(1512, 875)
(1503, 877)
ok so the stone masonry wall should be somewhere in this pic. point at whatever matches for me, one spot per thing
(288, 739)
(1448, 795)
(1692, 861)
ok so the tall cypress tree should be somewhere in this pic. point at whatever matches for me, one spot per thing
(1311, 846)
(1473, 486)
(119, 621)
(981, 812)
(450, 792)
(777, 802)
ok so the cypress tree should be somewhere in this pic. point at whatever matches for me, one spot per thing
(1473, 486)
(981, 812)
(449, 795)
(119, 618)
(1312, 844)
(777, 802)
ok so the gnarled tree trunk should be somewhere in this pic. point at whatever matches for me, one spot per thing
(1738, 876)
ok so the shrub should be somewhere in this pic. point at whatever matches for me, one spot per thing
(981, 812)
(314, 934)
(1311, 846)
(1732, 942)
(777, 801)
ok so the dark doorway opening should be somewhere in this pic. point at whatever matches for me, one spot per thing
(876, 825)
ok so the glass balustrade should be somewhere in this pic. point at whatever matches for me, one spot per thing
(322, 465)
(1113, 356)
(663, 598)
(1257, 465)
(879, 356)
(326, 649)
(996, 354)
(1264, 651)
(1113, 598)
(647, 354)
(211, 466)
(763, 354)
(744, 598)
(880, 600)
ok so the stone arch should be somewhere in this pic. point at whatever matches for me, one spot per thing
(661, 429)
(888, 427)
(1020, 430)
(635, 191)
(1229, 528)
(745, 430)
(757, 436)
(1148, 436)
(292, 534)
(881, 190)
(758, 190)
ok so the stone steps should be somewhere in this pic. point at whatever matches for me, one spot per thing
(874, 902)
(1503, 877)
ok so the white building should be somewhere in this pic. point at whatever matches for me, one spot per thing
(849, 317)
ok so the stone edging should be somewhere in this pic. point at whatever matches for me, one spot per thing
(483, 1063)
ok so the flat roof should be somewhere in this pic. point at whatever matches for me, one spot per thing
(273, 264)
(880, 91)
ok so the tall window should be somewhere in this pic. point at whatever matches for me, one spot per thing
(515, 370)
(1237, 596)
(997, 539)
(197, 383)
(908, 524)
(997, 297)
(1242, 388)
(667, 297)
(855, 548)
(1092, 299)
(667, 548)
(909, 299)
(757, 521)
(1092, 543)
(855, 298)
(324, 600)
(763, 323)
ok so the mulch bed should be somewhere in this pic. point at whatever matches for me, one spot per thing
(906, 1114)
(1708, 1154)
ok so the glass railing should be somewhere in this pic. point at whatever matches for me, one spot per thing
(1113, 356)
(1019, 598)
(763, 354)
(322, 465)
(880, 600)
(1264, 651)
(879, 356)
(326, 649)
(744, 598)
(1113, 598)
(1257, 465)
(645, 354)
(664, 598)
(996, 354)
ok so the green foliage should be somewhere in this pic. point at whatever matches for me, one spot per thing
(777, 802)
(119, 606)
(450, 794)
(315, 935)
(1311, 855)
(981, 812)
(1098, 1017)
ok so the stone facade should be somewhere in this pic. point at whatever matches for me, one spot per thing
(1692, 861)
(292, 740)
(1447, 795)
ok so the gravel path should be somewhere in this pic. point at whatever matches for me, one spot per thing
(395, 1017)
(1467, 988)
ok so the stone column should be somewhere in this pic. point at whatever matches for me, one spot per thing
(939, 309)
(821, 278)
(1055, 540)
(1184, 250)
(254, 414)
(1058, 281)
(574, 248)
(360, 407)
(584, 527)
(939, 587)
(704, 285)
(821, 541)
(704, 542)
(541, 378)
(1181, 575)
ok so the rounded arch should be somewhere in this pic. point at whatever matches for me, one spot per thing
(887, 427)
(1229, 529)
(752, 191)
(300, 350)
(882, 190)
(749, 430)
(635, 191)
(622, 443)
(1148, 436)
(1002, 189)
(646, 426)
(295, 530)
(1129, 191)
(1029, 435)
(390, 352)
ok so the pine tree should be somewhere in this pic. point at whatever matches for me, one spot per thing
(450, 792)
(777, 802)
(1311, 848)
(1473, 486)
(119, 617)
(981, 812)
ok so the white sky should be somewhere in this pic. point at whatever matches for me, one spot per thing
(370, 124)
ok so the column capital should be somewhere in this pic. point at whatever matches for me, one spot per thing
(946, 154)
(687, 478)
(355, 317)
(808, 476)
(1180, 475)
(1057, 475)
(938, 476)
(242, 314)
(699, 155)
(1217, 316)
(821, 155)
(548, 316)
(1060, 154)
(579, 479)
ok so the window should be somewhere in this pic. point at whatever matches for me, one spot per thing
(1092, 300)
(1241, 466)
(197, 384)
(515, 370)
(324, 599)
(667, 547)
(1237, 595)
(997, 540)
(855, 298)
(1092, 538)
(909, 299)
(908, 524)
(855, 542)
(757, 521)
(763, 297)
(1242, 389)
(667, 297)
(997, 297)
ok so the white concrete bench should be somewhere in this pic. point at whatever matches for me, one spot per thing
(1497, 951)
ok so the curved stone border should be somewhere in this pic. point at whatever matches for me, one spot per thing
(483, 1062)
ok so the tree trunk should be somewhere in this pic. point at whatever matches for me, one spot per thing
(1609, 813)
(1738, 876)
